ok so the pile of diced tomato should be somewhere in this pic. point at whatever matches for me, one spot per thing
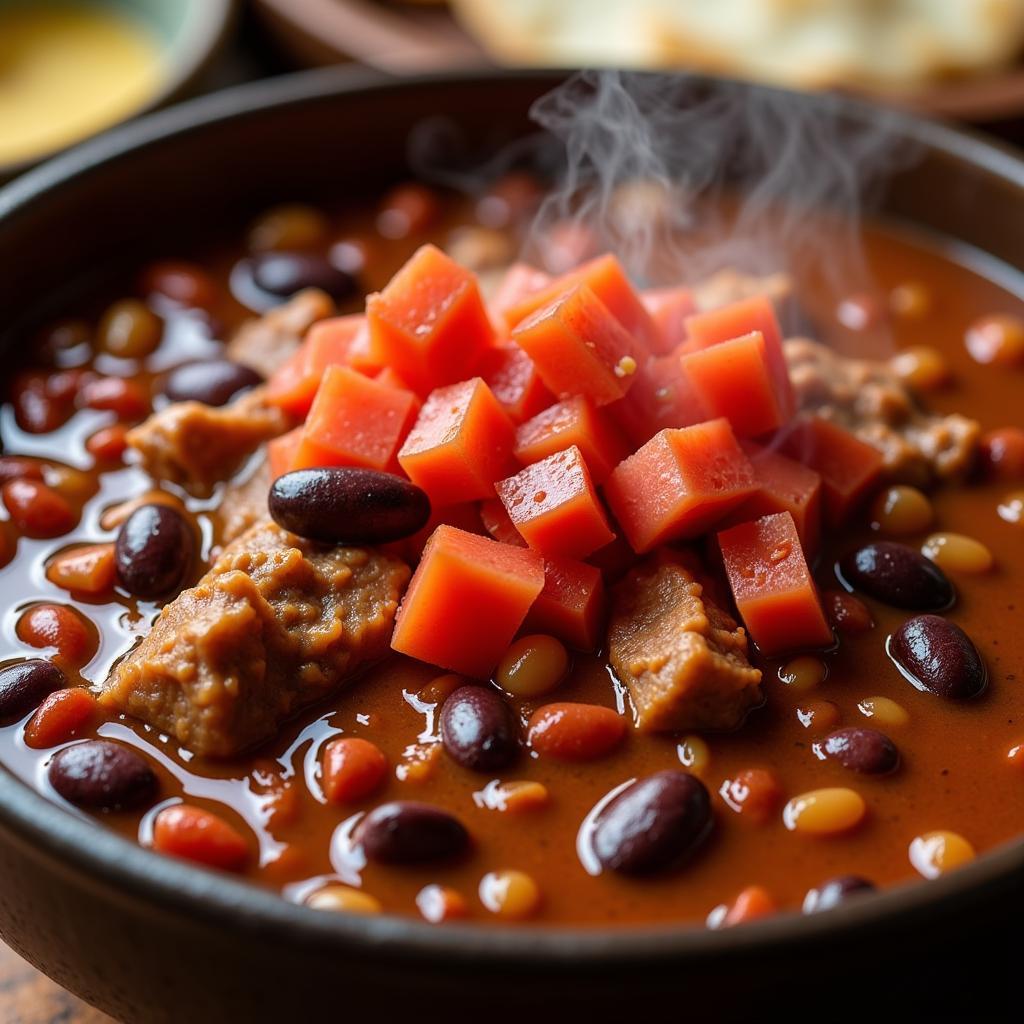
(561, 431)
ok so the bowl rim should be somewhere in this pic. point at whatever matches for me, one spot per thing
(74, 843)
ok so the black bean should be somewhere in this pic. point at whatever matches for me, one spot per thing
(282, 274)
(154, 551)
(102, 776)
(861, 750)
(938, 656)
(210, 381)
(898, 575)
(348, 505)
(653, 823)
(24, 685)
(834, 892)
(478, 729)
(406, 832)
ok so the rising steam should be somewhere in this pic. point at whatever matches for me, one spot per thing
(649, 160)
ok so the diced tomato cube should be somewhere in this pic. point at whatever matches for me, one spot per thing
(467, 598)
(281, 452)
(554, 506)
(464, 516)
(519, 283)
(849, 467)
(756, 313)
(512, 376)
(429, 324)
(579, 348)
(605, 277)
(498, 523)
(393, 380)
(772, 585)
(661, 396)
(572, 605)
(339, 341)
(734, 379)
(669, 308)
(460, 445)
(354, 421)
(573, 422)
(680, 483)
(783, 485)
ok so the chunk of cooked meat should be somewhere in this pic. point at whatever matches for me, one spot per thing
(198, 445)
(276, 624)
(868, 399)
(243, 502)
(729, 285)
(267, 341)
(683, 659)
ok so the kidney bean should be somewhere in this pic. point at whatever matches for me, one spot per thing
(863, 750)
(575, 732)
(102, 776)
(407, 832)
(210, 381)
(37, 510)
(195, 834)
(14, 467)
(938, 656)
(653, 823)
(353, 768)
(154, 551)
(282, 274)
(847, 613)
(348, 505)
(754, 794)
(478, 729)
(119, 395)
(897, 575)
(108, 444)
(185, 284)
(407, 210)
(1001, 454)
(61, 717)
(24, 685)
(834, 892)
(56, 625)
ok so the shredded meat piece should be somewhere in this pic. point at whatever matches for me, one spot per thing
(244, 501)
(276, 624)
(727, 286)
(682, 657)
(198, 445)
(266, 342)
(868, 399)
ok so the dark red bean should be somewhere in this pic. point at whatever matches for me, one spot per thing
(24, 685)
(478, 729)
(210, 381)
(653, 823)
(282, 274)
(861, 750)
(102, 776)
(938, 656)
(834, 892)
(406, 832)
(154, 551)
(348, 505)
(898, 575)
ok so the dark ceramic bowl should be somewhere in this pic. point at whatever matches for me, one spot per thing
(151, 939)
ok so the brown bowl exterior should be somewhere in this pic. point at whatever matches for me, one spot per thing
(150, 939)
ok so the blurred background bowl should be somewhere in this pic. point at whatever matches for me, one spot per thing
(184, 35)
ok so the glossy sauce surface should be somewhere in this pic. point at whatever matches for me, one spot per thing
(954, 772)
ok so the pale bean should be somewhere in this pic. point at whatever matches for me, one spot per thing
(803, 674)
(934, 853)
(956, 552)
(884, 711)
(510, 894)
(824, 812)
(922, 368)
(901, 510)
(344, 899)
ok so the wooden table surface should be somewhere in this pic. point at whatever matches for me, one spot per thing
(27, 997)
